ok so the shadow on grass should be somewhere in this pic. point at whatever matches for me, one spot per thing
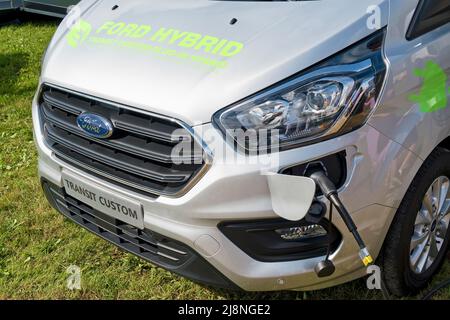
(352, 290)
(9, 17)
(10, 66)
(18, 17)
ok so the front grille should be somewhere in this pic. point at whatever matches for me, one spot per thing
(139, 155)
(146, 244)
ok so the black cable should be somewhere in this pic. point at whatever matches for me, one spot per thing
(434, 290)
(330, 217)
(336, 201)
(330, 192)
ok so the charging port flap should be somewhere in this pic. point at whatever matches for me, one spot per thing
(291, 195)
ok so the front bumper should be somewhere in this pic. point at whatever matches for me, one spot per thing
(379, 171)
(166, 253)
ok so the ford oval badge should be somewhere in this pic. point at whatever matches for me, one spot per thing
(95, 125)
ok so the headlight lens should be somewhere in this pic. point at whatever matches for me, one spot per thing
(302, 112)
(334, 97)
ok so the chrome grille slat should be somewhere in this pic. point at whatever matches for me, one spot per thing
(162, 132)
(118, 145)
(171, 249)
(166, 256)
(160, 153)
(138, 155)
(109, 159)
(148, 133)
(104, 174)
(63, 106)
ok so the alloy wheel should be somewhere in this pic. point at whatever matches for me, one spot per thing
(430, 226)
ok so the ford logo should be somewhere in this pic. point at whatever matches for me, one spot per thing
(95, 125)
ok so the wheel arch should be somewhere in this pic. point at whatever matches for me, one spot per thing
(444, 143)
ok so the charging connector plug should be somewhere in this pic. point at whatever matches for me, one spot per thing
(329, 191)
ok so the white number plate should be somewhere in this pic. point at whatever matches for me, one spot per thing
(105, 201)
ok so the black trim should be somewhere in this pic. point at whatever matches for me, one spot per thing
(259, 240)
(145, 243)
(429, 15)
(45, 7)
(335, 166)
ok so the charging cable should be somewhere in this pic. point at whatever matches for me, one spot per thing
(329, 191)
(330, 218)
(435, 290)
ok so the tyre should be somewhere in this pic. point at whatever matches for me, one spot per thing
(417, 241)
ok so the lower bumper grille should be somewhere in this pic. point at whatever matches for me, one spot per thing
(151, 246)
(143, 243)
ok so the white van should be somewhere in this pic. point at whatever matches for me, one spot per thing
(209, 137)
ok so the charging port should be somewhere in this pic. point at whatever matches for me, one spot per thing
(335, 166)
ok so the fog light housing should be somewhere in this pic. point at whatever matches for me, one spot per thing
(274, 240)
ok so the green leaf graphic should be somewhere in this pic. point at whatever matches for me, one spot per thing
(433, 94)
(78, 33)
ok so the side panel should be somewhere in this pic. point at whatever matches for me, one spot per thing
(408, 114)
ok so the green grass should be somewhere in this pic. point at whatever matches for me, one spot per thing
(37, 244)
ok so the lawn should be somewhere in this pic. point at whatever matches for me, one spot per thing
(37, 244)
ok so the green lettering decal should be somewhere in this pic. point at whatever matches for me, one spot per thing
(176, 36)
(190, 40)
(162, 34)
(128, 30)
(106, 26)
(232, 48)
(116, 28)
(219, 46)
(141, 31)
(133, 36)
(207, 43)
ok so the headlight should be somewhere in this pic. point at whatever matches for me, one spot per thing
(332, 98)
